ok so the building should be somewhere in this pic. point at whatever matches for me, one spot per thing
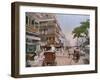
(44, 29)
(32, 36)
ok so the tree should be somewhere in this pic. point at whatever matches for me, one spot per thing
(81, 31)
(85, 28)
(77, 33)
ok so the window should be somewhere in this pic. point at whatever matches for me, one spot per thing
(33, 21)
(30, 48)
(26, 19)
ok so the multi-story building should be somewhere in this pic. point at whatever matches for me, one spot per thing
(32, 35)
(45, 25)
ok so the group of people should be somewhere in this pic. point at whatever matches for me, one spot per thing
(75, 52)
(39, 58)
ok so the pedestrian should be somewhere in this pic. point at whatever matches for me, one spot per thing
(68, 52)
(76, 55)
(53, 48)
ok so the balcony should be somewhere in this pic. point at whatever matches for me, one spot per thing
(32, 29)
(48, 24)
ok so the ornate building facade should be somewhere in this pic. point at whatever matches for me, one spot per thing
(42, 29)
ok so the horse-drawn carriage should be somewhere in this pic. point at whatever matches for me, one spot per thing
(49, 59)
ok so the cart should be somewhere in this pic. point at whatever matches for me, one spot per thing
(49, 59)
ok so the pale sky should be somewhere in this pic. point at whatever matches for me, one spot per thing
(68, 22)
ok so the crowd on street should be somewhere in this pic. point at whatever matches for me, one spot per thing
(62, 57)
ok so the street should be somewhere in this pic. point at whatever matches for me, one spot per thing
(64, 57)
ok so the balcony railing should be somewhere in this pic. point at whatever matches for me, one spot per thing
(31, 29)
(48, 24)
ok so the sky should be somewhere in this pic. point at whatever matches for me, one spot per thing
(68, 22)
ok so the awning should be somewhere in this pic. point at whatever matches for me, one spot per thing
(33, 37)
